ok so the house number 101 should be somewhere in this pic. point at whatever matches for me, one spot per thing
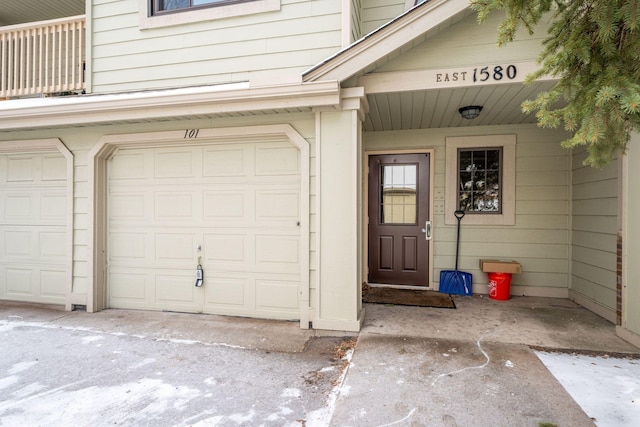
(497, 73)
(191, 133)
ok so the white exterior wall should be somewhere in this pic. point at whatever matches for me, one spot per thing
(594, 235)
(540, 238)
(265, 48)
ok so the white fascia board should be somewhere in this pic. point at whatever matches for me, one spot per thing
(388, 38)
(231, 98)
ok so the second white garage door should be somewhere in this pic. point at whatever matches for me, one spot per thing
(233, 207)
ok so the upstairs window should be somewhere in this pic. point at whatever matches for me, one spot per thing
(163, 13)
(163, 6)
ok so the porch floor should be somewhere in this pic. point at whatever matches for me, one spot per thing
(549, 323)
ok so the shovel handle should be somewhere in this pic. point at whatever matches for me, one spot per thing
(459, 214)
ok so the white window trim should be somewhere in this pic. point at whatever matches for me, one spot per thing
(203, 14)
(508, 193)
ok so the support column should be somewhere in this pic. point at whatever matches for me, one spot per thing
(339, 157)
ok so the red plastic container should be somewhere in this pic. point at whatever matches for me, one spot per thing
(499, 286)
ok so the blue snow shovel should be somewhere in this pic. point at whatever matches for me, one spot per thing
(454, 281)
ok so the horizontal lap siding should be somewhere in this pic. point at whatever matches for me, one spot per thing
(539, 240)
(594, 231)
(467, 44)
(375, 13)
(278, 43)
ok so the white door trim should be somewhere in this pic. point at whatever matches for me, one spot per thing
(97, 298)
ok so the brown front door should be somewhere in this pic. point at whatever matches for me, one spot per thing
(398, 219)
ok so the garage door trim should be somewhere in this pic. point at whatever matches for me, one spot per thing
(98, 156)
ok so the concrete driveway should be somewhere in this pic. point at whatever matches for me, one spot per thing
(473, 366)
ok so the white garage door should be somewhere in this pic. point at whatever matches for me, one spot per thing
(234, 205)
(33, 216)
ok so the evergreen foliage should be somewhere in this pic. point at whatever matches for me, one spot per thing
(593, 48)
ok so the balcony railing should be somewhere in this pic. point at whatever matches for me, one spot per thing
(42, 58)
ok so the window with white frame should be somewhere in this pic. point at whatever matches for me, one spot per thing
(480, 179)
(162, 13)
(167, 6)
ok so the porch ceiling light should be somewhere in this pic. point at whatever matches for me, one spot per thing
(470, 112)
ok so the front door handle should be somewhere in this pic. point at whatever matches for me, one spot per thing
(427, 230)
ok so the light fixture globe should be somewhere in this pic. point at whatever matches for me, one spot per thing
(470, 112)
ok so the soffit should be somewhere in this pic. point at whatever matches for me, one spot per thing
(22, 11)
(424, 109)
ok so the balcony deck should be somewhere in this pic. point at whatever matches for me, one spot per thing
(43, 58)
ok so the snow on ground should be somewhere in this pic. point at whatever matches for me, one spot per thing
(606, 388)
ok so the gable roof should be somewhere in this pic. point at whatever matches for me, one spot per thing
(390, 40)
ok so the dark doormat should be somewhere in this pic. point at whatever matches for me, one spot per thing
(420, 298)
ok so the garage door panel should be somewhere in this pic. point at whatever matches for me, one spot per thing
(225, 205)
(128, 246)
(225, 162)
(20, 206)
(18, 244)
(226, 292)
(240, 202)
(19, 282)
(173, 163)
(52, 284)
(281, 205)
(52, 244)
(54, 168)
(129, 165)
(175, 289)
(175, 246)
(21, 168)
(277, 160)
(126, 206)
(174, 206)
(33, 227)
(227, 248)
(127, 287)
(53, 206)
(277, 294)
(277, 253)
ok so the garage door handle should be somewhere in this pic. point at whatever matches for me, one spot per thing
(427, 230)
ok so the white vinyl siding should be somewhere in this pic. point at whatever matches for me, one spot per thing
(540, 238)
(356, 13)
(376, 13)
(594, 231)
(271, 46)
(33, 224)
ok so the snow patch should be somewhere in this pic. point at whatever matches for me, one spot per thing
(607, 389)
(8, 381)
(21, 367)
(90, 339)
